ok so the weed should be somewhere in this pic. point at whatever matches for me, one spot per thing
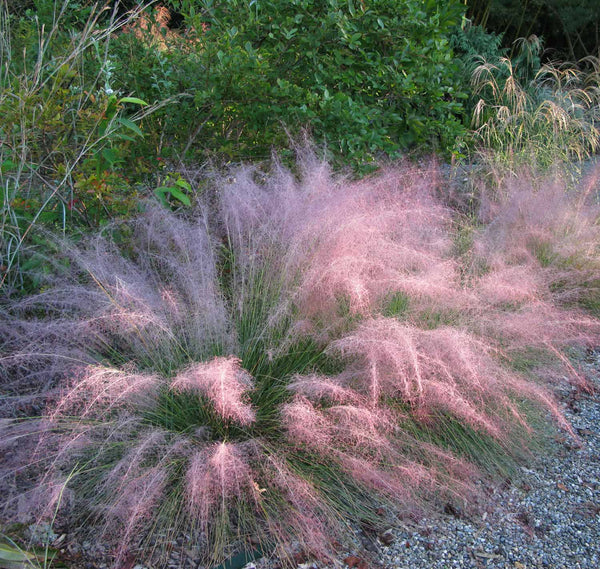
(64, 131)
(536, 119)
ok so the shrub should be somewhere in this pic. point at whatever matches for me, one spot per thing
(366, 79)
(267, 371)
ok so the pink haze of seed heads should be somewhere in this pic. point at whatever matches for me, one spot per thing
(100, 389)
(334, 239)
(526, 213)
(215, 476)
(271, 263)
(225, 383)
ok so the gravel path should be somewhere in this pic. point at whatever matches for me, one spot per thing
(548, 518)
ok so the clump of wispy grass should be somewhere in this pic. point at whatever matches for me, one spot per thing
(542, 116)
(63, 128)
(544, 230)
(264, 372)
(537, 248)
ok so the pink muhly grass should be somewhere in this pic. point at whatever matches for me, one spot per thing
(134, 506)
(334, 240)
(542, 326)
(430, 370)
(161, 304)
(316, 387)
(283, 263)
(45, 501)
(98, 389)
(306, 425)
(539, 324)
(216, 477)
(541, 243)
(151, 443)
(306, 523)
(225, 383)
(511, 285)
(303, 534)
(34, 359)
(371, 447)
(541, 222)
(183, 255)
(372, 241)
(326, 430)
(361, 428)
(577, 377)
(516, 308)
(130, 496)
(165, 297)
(399, 483)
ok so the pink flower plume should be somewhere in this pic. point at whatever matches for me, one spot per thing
(316, 387)
(372, 238)
(97, 388)
(442, 369)
(306, 425)
(135, 503)
(225, 383)
(325, 430)
(216, 476)
(399, 483)
(305, 523)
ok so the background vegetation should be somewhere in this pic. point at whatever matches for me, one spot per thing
(569, 27)
(104, 103)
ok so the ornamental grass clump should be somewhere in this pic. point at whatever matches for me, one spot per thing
(531, 113)
(542, 233)
(265, 374)
(537, 250)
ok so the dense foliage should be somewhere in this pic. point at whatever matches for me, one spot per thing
(367, 79)
(103, 104)
(267, 356)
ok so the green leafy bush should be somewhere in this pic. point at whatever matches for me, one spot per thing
(367, 79)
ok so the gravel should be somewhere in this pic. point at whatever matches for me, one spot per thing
(549, 517)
